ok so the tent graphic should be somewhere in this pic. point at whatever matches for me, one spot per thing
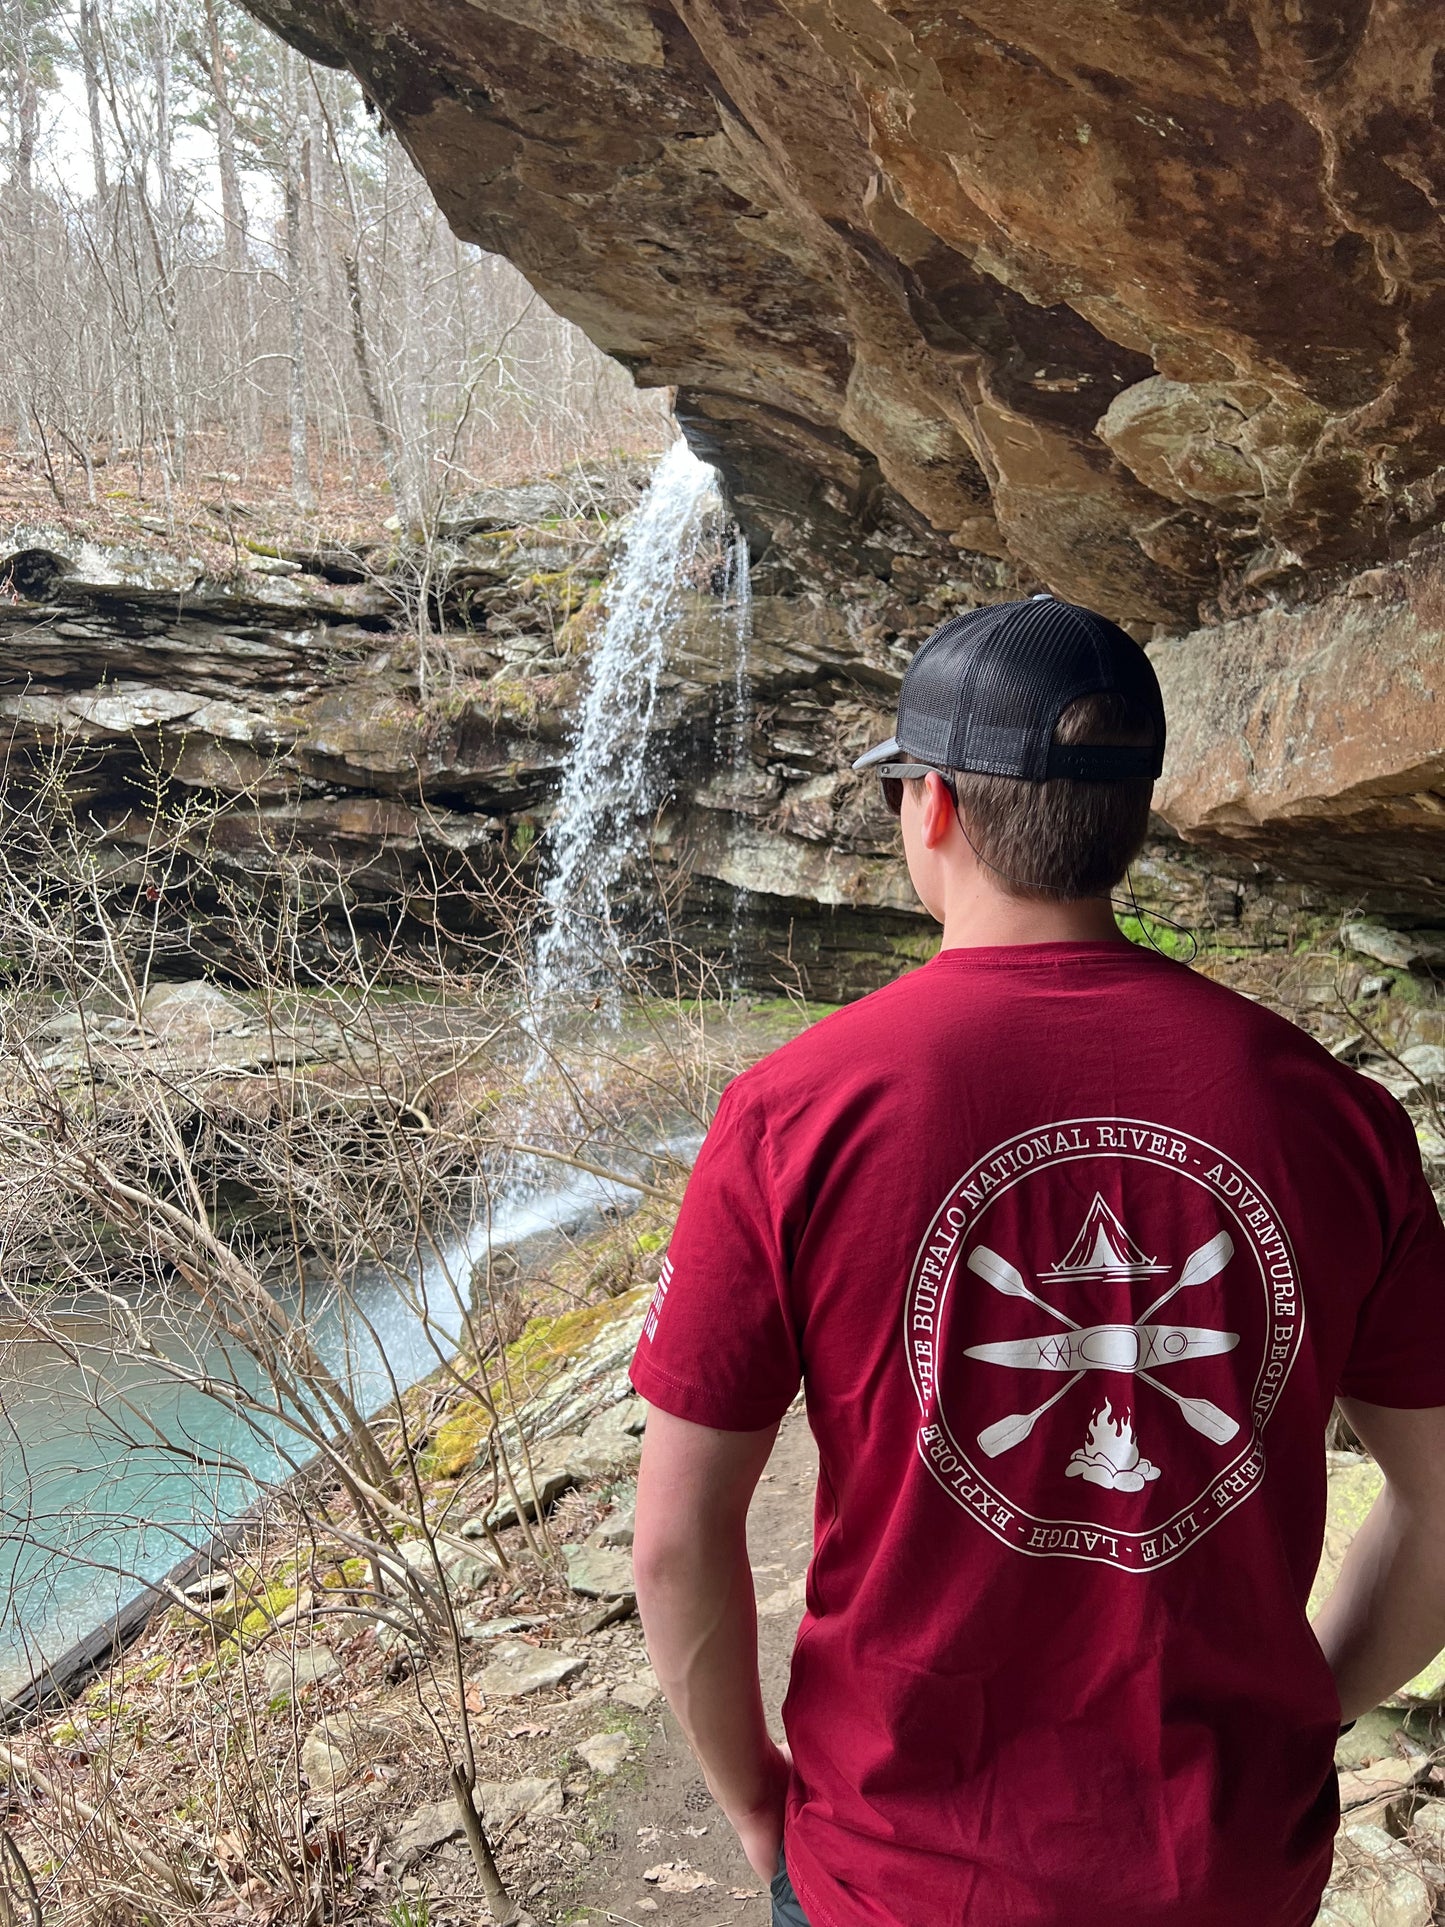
(1103, 1251)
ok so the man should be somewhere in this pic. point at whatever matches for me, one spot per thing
(1071, 1251)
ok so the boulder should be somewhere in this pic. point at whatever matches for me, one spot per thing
(1427, 1837)
(640, 1693)
(1427, 1063)
(1377, 1882)
(503, 1803)
(427, 1827)
(1312, 738)
(604, 1753)
(470, 1571)
(1376, 1735)
(553, 1470)
(610, 1442)
(618, 1527)
(600, 1574)
(515, 1669)
(289, 1673)
(1399, 949)
(509, 508)
(502, 1628)
(337, 1745)
(1380, 1781)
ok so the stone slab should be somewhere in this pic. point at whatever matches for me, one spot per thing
(597, 1573)
(516, 1669)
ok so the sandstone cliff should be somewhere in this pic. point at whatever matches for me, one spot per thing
(1146, 302)
(275, 719)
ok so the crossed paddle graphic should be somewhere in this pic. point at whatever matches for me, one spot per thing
(1108, 1348)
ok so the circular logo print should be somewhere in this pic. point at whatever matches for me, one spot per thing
(1099, 1323)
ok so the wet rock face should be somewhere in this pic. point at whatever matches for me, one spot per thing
(1305, 742)
(1147, 306)
(296, 704)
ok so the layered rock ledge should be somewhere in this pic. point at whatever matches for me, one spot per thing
(1306, 740)
(968, 301)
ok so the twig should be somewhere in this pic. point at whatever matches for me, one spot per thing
(597, 1171)
(179, 1883)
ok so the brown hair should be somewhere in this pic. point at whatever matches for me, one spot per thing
(1059, 840)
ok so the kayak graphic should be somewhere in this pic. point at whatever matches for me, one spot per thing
(1140, 1349)
(1107, 1348)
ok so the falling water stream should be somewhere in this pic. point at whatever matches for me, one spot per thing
(608, 789)
(740, 723)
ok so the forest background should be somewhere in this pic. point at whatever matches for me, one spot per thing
(219, 268)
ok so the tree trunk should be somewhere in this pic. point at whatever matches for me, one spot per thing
(301, 488)
(27, 108)
(350, 253)
(165, 152)
(90, 63)
(366, 373)
(233, 206)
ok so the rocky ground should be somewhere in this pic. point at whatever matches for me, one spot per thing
(282, 1739)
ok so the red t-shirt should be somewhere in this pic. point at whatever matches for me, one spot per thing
(1071, 1250)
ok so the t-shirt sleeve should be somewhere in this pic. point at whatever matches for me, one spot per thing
(718, 1345)
(1398, 1354)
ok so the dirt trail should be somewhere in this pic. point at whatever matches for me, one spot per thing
(664, 1813)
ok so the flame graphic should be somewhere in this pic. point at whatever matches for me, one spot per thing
(1109, 1455)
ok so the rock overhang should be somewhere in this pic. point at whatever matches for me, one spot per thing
(1149, 317)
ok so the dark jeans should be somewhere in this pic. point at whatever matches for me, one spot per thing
(786, 1911)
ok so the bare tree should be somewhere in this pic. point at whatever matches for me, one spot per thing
(353, 1122)
(284, 288)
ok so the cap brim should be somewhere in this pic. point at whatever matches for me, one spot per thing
(888, 752)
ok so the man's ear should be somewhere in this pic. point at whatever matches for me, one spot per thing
(938, 811)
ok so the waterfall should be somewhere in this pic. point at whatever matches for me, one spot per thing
(740, 724)
(607, 791)
(740, 604)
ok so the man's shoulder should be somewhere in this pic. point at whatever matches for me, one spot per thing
(898, 1031)
(1277, 1051)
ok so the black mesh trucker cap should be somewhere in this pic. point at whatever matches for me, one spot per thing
(987, 688)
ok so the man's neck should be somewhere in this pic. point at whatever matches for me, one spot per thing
(981, 916)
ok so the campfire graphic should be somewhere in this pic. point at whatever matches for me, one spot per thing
(1109, 1456)
(1104, 1249)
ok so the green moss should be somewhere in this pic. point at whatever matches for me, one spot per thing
(351, 1572)
(454, 1449)
(559, 589)
(263, 1617)
(920, 949)
(266, 1608)
(648, 1241)
(548, 1342)
(1159, 936)
(511, 699)
(576, 632)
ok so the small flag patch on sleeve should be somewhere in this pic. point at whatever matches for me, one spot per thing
(659, 1299)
